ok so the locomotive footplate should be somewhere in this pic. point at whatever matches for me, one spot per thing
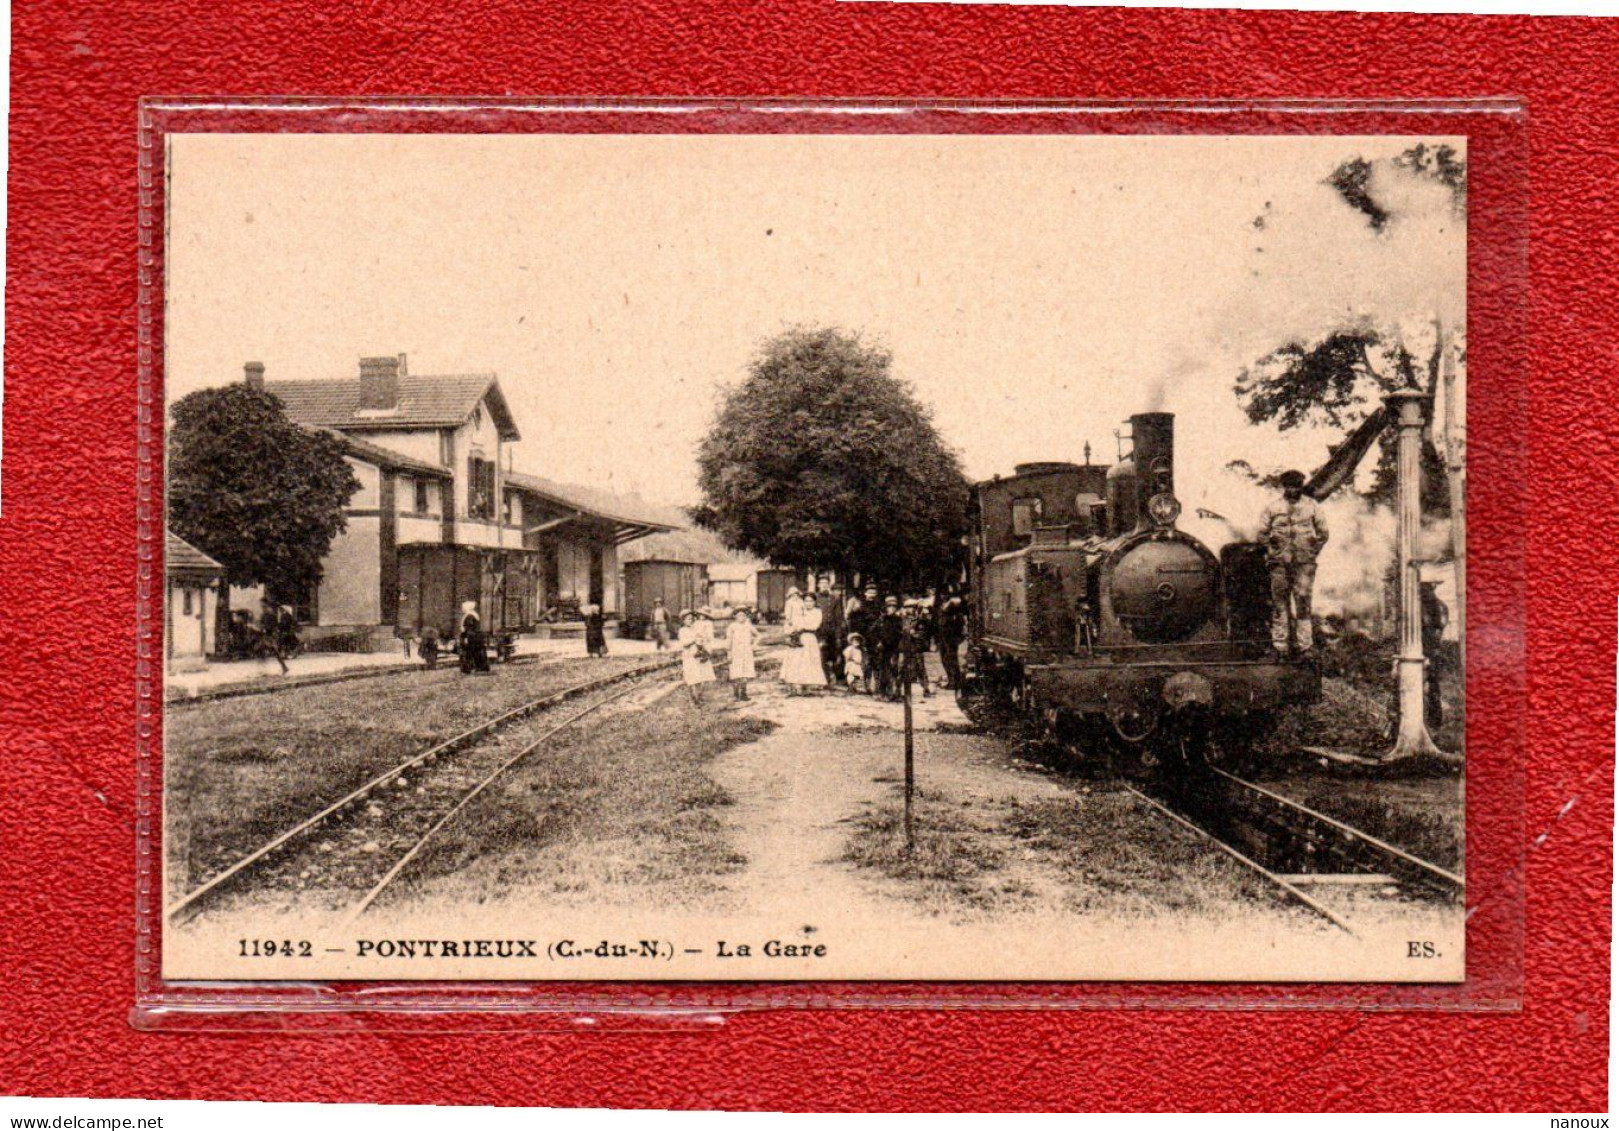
(1228, 687)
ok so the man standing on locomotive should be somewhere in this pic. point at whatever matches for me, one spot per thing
(1293, 530)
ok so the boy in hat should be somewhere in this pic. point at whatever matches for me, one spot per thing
(885, 650)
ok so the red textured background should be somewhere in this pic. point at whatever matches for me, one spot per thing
(67, 549)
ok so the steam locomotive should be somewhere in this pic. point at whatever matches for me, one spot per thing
(1092, 614)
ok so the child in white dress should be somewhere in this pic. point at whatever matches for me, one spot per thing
(696, 668)
(739, 637)
(854, 663)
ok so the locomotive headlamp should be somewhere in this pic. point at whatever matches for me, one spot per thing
(1163, 509)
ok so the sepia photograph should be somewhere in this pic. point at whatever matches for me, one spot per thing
(814, 557)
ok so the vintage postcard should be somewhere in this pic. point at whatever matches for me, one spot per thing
(634, 557)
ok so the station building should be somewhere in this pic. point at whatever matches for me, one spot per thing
(441, 514)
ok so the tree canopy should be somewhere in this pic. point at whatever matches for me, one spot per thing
(253, 490)
(822, 458)
(1337, 376)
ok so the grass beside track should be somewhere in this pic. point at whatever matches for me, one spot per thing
(1424, 816)
(239, 771)
(1099, 852)
(620, 809)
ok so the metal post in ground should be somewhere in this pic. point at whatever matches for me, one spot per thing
(1409, 409)
(910, 768)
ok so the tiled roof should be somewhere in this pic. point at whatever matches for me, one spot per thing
(424, 402)
(625, 513)
(381, 456)
(180, 556)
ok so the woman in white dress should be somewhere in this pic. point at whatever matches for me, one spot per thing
(739, 637)
(696, 667)
(802, 667)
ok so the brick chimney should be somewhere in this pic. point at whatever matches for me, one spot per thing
(255, 375)
(379, 382)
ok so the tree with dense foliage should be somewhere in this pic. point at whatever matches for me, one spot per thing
(256, 492)
(822, 458)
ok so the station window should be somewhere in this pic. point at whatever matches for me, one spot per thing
(1025, 515)
(187, 591)
(421, 496)
(480, 488)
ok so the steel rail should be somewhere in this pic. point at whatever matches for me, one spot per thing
(1273, 877)
(471, 795)
(1395, 861)
(360, 793)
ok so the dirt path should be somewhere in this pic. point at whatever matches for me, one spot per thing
(796, 791)
(836, 760)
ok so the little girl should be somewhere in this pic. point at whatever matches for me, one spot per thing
(739, 637)
(854, 663)
(696, 668)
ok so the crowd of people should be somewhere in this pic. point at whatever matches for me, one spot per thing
(860, 643)
(863, 643)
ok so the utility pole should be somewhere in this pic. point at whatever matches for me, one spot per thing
(1409, 410)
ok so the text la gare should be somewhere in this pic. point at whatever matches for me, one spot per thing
(775, 948)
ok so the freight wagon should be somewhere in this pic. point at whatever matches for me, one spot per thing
(434, 582)
(681, 585)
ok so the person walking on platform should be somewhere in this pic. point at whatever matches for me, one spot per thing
(660, 626)
(474, 649)
(739, 639)
(1293, 530)
(696, 665)
(595, 631)
(268, 641)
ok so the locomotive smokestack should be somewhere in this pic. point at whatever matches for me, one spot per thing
(1153, 453)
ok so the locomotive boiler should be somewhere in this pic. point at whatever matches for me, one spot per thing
(1093, 613)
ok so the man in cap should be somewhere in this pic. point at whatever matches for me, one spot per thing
(863, 619)
(831, 635)
(950, 629)
(913, 646)
(1293, 530)
(885, 648)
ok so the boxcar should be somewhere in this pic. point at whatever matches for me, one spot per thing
(434, 581)
(681, 585)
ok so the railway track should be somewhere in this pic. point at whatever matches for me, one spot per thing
(394, 814)
(1300, 851)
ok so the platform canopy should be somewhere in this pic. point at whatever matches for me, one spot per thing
(564, 505)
